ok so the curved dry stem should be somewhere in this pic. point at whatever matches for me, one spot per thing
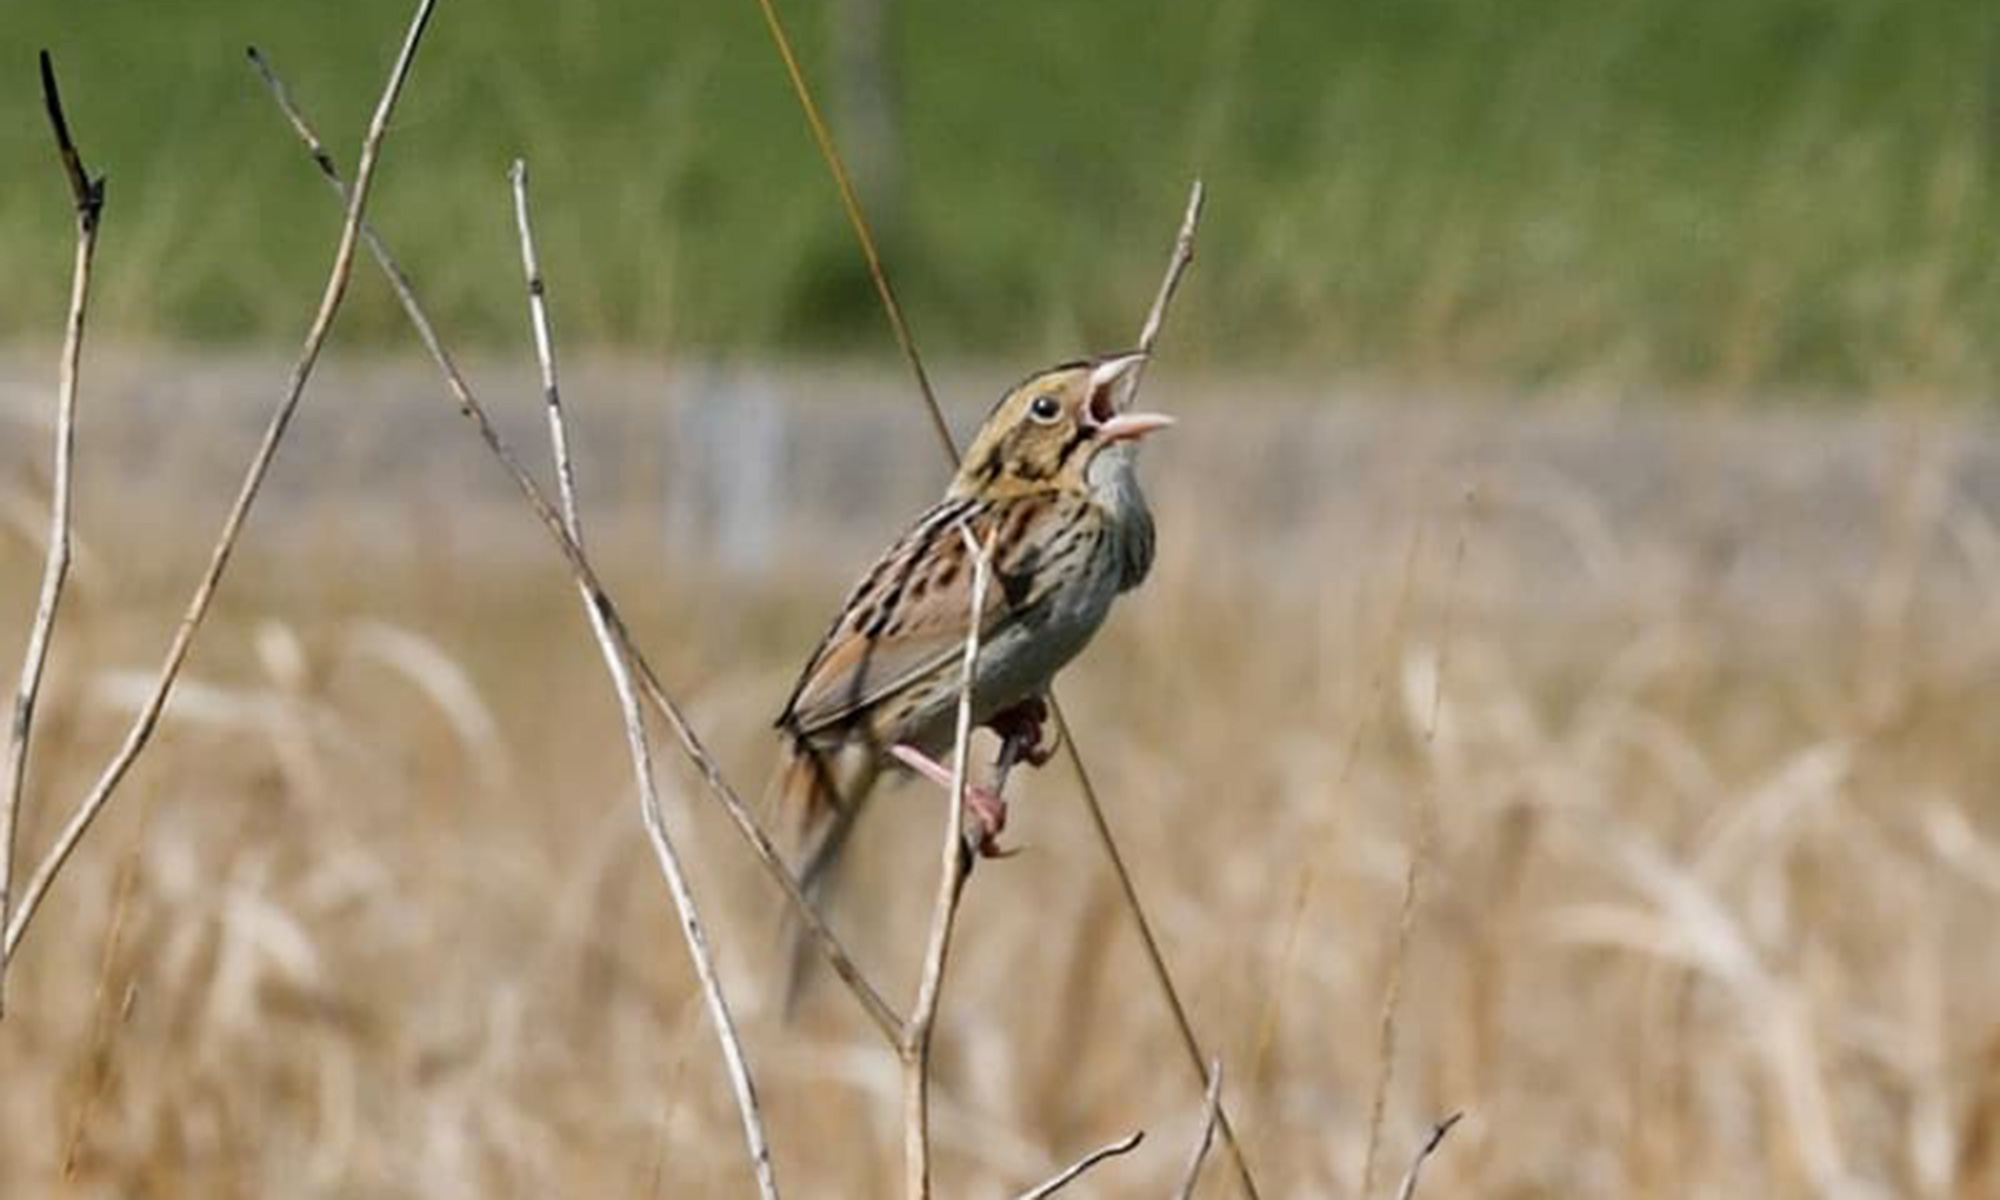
(1072, 1172)
(651, 815)
(1408, 1190)
(178, 648)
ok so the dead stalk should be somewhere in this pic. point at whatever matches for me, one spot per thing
(1438, 1131)
(1156, 959)
(1211, 1110)
(851, 203)
(885, 1019)
(88, 196)
(1069, 1174)
(1177, 266)
(915, 1045)
(148, 718)
(650, 812)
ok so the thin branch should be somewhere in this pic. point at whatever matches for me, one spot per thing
(879, 1011)
(1156, 958)
(915, 1047)
(852, 204)
(865, 993)
(1438, 1131)
(1211, 1111)
(635, 720)
(1069, 1174)
(232, 527)
(88, 195)
(1177, 265)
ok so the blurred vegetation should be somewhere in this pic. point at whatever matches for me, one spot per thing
(1710, 192)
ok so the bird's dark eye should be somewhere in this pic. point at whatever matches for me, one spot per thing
(1045, 409)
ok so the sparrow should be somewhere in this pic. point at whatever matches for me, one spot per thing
(1048, 488)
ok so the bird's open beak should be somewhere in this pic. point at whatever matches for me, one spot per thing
(1106, 398)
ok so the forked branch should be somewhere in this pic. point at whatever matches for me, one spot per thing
(88, 196)
(141, 732)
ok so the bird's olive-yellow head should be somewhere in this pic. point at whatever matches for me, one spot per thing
(1046, 431)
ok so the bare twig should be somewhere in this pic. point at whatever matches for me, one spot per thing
(88, 195)
(1069, 1174)
(1438, 1131)
(635, 720)
(1156, 957)
(865, 993)
(915, 1046)
(232, 527)
(1211, 1111)
(1177, 265)
(1149, 334)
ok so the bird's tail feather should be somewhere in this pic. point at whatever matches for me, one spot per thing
(820, 797)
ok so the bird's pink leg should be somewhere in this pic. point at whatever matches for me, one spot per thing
(985, 804)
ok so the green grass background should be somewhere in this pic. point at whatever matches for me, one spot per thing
(1708, 192)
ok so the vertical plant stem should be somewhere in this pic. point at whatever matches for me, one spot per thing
(88, 196)
(740, 1082)
(955, 868)
(1211, 1111)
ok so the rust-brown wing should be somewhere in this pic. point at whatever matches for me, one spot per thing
(905, 619)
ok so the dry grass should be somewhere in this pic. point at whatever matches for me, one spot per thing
(1715, 853)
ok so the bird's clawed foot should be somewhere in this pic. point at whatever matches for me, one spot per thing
(1020, 730)
(986, 806)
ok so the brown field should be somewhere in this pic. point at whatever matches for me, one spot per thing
(1702, 698)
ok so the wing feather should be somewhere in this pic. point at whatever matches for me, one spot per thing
(908, 615)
